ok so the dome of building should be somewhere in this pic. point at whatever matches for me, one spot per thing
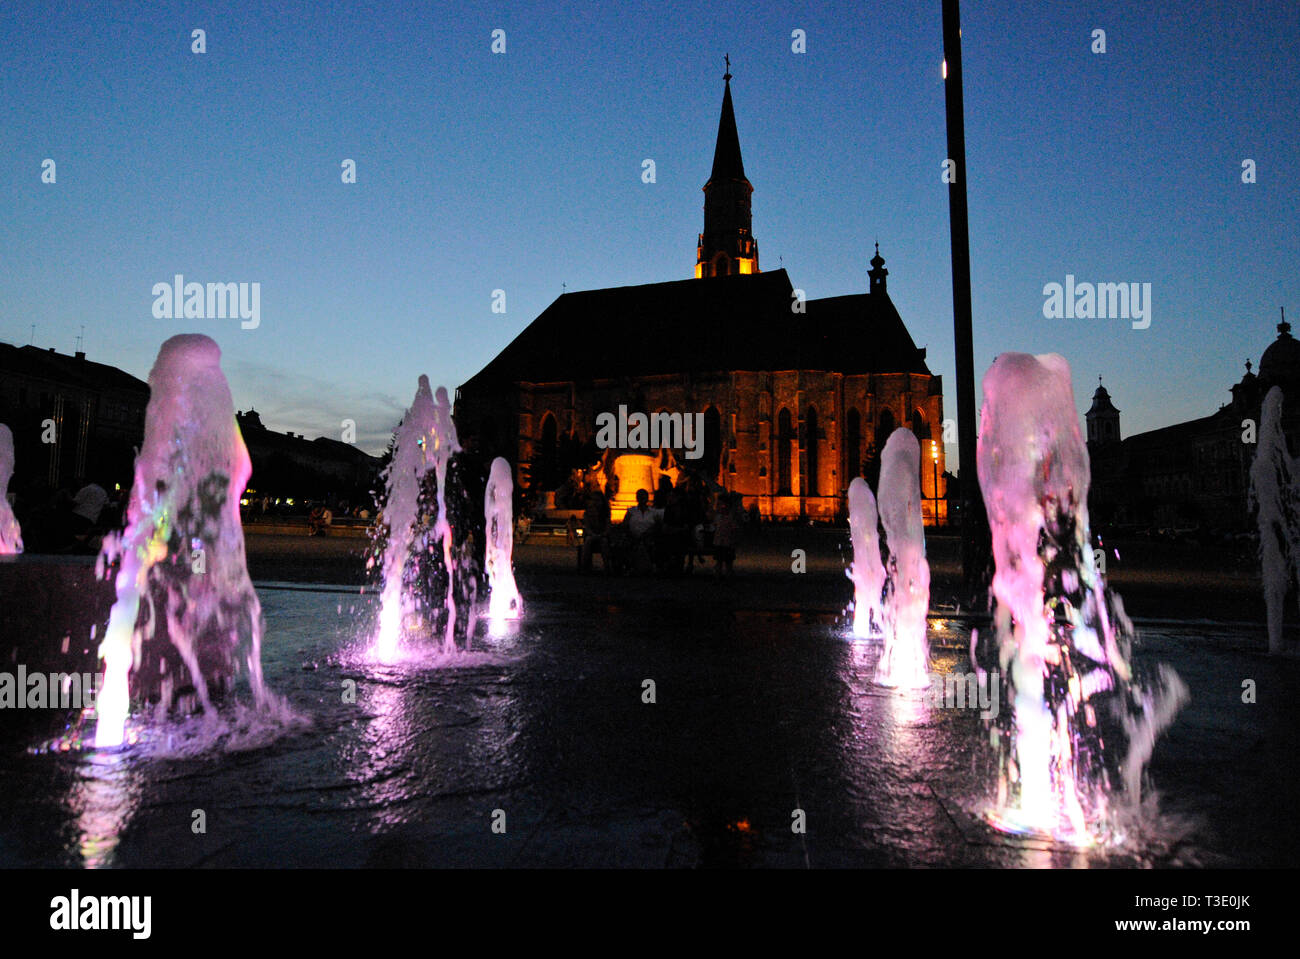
(1280, 364)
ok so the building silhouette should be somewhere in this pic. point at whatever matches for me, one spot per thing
(797, 396)
(74, 420)
(1193, 475)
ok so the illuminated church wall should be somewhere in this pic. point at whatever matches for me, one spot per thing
(791, 466)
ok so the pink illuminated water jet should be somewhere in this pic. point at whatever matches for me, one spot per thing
(445, 445)
(181, 554)
(504, 602)
(412, 459)
(867, 571)
(905, 659)
(11, 536)
(425, 441)
(1061, 640)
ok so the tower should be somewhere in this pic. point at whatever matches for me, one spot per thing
(1102, 417)
(877, 273)
(727, 245)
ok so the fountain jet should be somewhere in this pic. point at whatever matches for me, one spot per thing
(504, 601)
(182, 551)
(11, 536)
(905, 659)
(1275, 494)
(867, 571)
(412, 458)
(444, 445)
(425, 441)
(1057, 640)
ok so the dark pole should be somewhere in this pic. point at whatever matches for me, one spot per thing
(975, 547)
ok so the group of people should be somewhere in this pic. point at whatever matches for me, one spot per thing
(683, 526)
(320, 513)
(66, 522)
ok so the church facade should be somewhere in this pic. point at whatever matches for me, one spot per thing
(797, 396)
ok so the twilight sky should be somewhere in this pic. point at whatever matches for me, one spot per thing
(521, 171)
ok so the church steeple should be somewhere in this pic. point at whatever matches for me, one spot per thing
(877, 273)
(727, 245)
(1102, 418)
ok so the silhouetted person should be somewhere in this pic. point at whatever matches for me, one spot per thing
(595, 530)
(641, 523)
(726, 533)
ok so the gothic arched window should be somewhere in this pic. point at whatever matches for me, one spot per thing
(883, 430)
(712, 442)
(920, 428)
(784, 437)
(545, 476)
(853, 444)
(808, 480)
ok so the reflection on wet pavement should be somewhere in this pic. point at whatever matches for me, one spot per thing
(767, 744)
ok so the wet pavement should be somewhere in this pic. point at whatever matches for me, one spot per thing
(759, 715)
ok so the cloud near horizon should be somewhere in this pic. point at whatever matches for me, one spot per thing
(288, 401)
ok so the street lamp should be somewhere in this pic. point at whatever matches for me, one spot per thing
(934, 458)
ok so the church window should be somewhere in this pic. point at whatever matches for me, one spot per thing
(784, 435)
(853, 443)
(808, 479)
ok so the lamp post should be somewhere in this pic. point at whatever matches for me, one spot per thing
(934, 458)
(976, 547)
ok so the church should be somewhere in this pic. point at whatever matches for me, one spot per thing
(797, 396)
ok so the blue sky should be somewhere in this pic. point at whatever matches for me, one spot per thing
(522, 171)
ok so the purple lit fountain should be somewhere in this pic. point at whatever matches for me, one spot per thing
(1061, 637)
(905, 659)
(504, 602)
(867, 571)
(11, 537)
(425, 440)
(412, 457)
(181, 576)
(444, 445)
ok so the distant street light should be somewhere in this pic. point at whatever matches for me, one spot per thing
(934, 457)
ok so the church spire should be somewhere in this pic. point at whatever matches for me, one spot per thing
(726, 155)
(1102, 417)
(726, 246)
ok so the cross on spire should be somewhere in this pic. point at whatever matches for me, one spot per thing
(727, 58)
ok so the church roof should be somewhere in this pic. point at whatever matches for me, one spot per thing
(727, 164)
(729, 323)
(1182, 434)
